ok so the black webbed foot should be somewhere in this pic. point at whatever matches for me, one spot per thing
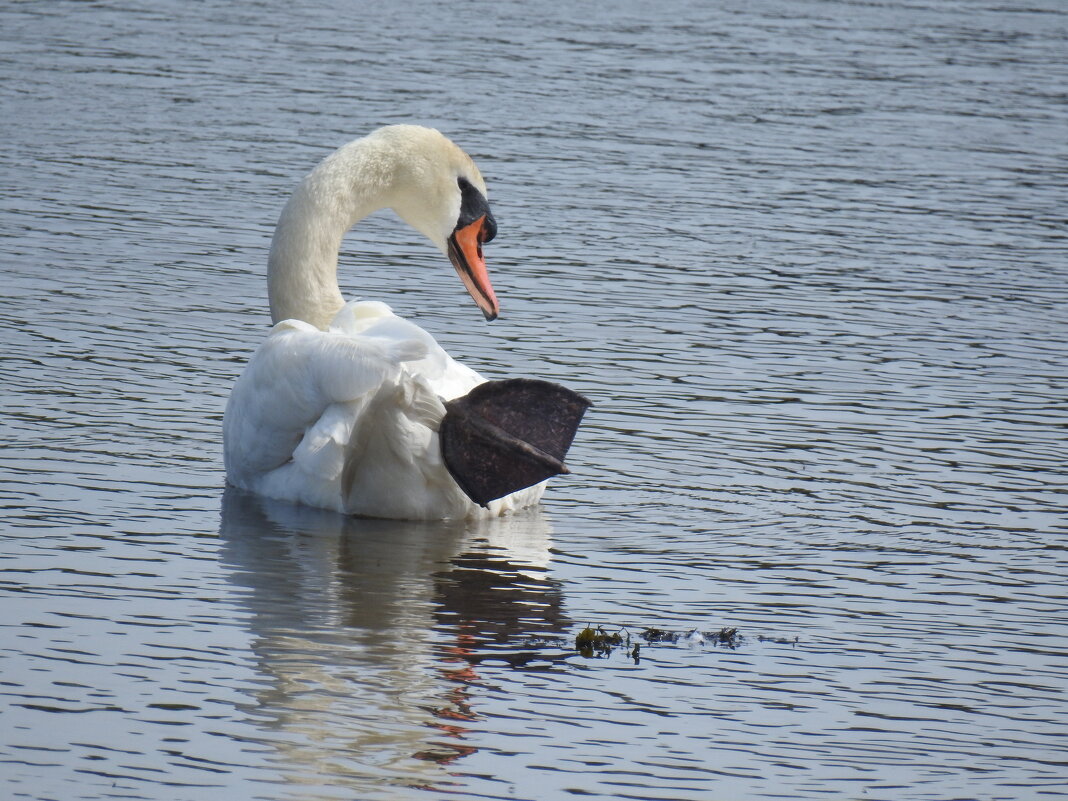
(504, 436)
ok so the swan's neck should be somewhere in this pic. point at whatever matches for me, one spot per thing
(302, 270)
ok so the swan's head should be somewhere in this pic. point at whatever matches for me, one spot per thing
(438, 190)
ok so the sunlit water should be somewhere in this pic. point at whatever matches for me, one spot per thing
(809, 260)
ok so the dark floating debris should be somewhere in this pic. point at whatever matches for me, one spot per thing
(780, 640)
(728, 637)
(597, 642)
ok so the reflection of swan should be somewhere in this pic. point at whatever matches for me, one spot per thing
(359, 627)
(340, 406)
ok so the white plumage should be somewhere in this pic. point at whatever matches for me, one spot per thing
(339, 407)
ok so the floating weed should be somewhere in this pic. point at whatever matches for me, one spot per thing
(727, 637)
(780, 640)
(597, 642)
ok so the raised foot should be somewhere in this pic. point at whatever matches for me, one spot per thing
(504, 436)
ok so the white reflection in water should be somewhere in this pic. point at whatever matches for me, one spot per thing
(347, 618)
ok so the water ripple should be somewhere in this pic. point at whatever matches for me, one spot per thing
(808, 260)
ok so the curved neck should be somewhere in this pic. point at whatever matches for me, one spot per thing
(302, 269)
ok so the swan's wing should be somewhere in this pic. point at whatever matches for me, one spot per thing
(282, 406)
(375, 320)
(347, 419)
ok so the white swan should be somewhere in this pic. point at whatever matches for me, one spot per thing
(339, 407)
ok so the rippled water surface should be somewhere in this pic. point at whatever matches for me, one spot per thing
(809, 260)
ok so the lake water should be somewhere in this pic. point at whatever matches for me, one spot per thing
(809, 260)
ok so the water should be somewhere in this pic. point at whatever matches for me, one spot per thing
(807, 258)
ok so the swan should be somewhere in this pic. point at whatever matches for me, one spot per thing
(349, 407)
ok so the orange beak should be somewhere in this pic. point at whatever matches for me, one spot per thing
(465, 253)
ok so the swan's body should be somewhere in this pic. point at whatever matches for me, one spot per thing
(339, 408)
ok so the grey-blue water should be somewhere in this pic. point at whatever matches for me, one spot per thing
(809, 259)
